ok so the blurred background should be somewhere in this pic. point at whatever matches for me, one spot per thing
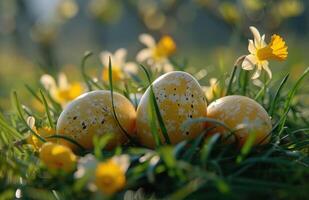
(49, 36)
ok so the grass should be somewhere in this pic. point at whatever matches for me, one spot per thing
(197, 169)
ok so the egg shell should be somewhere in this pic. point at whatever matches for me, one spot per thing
(179, 97)
(241, 114)
(91, 114)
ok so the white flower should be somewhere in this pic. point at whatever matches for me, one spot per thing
(62, 92)
(156, 54)
(120, 68)
(260, 53)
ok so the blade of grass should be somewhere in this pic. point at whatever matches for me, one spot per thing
(195, 146)
(291, 95)
(85, 76)
(229, 87)
(157, 109)
(8, 128)
(277, 94)
(20, 113)
(110, 73)
(49, 117)
(67, 139)
(206, 149)
(153, 123)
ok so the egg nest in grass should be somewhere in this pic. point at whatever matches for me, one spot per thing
(92, 114)
(180, 98)
(243, 116)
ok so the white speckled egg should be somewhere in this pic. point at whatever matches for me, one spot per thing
(179, 97)
(243, 115)
(91, 114)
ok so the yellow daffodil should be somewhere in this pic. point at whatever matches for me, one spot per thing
(120, 68)
(214, 90)
(57, 157)
(260, 53)
(63, 92)
(156, 54)
(42, 131)
(110, 175)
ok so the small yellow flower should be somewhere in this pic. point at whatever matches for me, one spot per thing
(57, 157)
(64, 92)
(157, 54)
(42, 131)
(214, 90)
(110, 175)
(120, 68)
(260, 53)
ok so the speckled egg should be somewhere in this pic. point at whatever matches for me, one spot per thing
(242, 115)
(179, 97)
(91, 114)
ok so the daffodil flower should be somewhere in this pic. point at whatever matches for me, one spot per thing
(42, 131)
(156, 54)
(260, 53)
(57, 157)
(214, 90)
(63, 92)
(110, 175)
(120, 68)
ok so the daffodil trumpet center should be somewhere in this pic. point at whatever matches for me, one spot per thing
(276, 50)
(165, 47)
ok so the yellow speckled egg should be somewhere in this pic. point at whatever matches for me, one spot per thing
(179, 97)
(91, 114)
(242, 115)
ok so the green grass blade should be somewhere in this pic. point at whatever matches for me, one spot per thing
(67, 138)
(49, 117)
(277, 94)
(206, 149)
(291, 95)
(157, 109)
(229, 87)
(110, 73)
(84, 74)
(20, 113)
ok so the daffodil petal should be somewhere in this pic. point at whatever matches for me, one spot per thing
(257, 73)
(131, 68)
(143, 55)
(104, 56)
(147, 40)
(251, 47)
(267, 69)
(63, 81)
(256, 35)
(123, 161)
(31, 122)
(249, 62)
(213, 81)
(120, 57)
(48, 82)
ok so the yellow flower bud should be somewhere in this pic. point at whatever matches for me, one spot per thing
(57, 157)
(109, 177)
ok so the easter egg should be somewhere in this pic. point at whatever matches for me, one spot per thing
(92, 114)
(180, 98)
(242, 115)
